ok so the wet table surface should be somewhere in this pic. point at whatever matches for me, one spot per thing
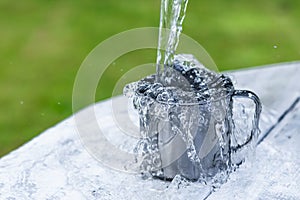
(58, 165)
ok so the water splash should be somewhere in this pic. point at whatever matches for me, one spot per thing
(187, 127)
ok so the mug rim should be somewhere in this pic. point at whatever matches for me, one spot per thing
(200, 102)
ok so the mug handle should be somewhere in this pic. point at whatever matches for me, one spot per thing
(258, 108)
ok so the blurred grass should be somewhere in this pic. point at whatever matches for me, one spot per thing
(42, 44)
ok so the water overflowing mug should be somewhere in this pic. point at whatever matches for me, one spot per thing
(191, 133)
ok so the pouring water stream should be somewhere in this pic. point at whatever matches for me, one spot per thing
(172, 15)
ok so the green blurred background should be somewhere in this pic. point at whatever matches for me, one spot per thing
(43, 43)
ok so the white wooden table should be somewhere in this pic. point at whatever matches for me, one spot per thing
(56, 165)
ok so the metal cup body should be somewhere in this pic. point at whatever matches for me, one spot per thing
(193, 139)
